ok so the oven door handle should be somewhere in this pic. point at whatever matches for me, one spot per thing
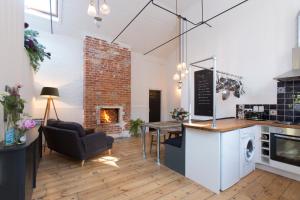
(287, 137)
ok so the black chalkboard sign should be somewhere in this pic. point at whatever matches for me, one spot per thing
(203, 92)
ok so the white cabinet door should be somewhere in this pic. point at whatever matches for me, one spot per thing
(202, 158)
(257, 155)
(230, 159)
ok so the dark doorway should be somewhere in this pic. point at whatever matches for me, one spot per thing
(154, 105)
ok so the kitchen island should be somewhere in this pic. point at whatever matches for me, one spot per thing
(230, 124)
(217, 158)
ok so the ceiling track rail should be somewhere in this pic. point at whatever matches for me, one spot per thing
(219, 72)
(177, 15)
(163, 8)
(131, 21)
(198, 25)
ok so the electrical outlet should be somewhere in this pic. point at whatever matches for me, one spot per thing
(261, 109)
(273, 112)
(281, 90)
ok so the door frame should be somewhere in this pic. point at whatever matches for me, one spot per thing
(151, 89)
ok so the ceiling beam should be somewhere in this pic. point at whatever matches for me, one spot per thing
(131, 21)
(198, 25)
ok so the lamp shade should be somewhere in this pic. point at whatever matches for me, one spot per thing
(49, 91)
(104, 8)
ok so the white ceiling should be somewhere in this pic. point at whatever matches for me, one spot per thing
(151, 28)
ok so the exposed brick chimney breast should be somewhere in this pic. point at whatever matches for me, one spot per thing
(107, 82)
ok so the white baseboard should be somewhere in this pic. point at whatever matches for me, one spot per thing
(278, 171)
(124, 134)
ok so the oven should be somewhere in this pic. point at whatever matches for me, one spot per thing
(285, 145)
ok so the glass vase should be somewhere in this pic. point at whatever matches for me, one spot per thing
(9, 131)
(20, 137)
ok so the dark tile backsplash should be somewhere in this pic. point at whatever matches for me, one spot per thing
(286, 109)
(289, 97)
(244, 111)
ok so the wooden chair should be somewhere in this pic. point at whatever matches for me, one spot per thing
(154, 139)
(174, 133)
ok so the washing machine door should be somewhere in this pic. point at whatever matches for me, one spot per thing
(249, 151)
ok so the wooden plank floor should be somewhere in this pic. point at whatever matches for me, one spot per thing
(125, 175)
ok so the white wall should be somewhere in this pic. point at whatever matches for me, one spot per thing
(174, 93)
(65, 68)
(14, 64)
(65, 71)
(151, 27)
(254, 40)
(147, 73)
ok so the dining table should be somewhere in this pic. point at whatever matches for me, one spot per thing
(159, 127)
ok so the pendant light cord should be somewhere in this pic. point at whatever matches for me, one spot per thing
(186, 44)
(51, 20)
(180, 39)
(202, 8)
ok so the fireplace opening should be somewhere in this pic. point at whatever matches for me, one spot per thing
(109, 115)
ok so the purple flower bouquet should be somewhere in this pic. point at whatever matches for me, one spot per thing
(24, 126)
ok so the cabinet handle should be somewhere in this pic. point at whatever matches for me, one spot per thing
(287, 137)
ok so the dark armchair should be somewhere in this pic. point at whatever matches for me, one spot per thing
(69, 138)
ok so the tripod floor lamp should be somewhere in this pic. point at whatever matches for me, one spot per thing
(50, 92)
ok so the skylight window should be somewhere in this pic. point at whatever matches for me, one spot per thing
(42, 7)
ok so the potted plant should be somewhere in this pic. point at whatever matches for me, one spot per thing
(13, 106)
(135, 127)
(179, 114)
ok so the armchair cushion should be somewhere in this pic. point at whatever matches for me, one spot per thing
(176, 142)
(89, 130)
(110, 141)
(52, 122)
(69, 126)
(93, 142)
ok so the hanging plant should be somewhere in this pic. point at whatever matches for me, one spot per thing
(35, 50)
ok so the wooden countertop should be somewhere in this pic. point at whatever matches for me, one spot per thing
(163, 125)
(224, 125)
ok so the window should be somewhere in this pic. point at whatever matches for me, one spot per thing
(42, 7)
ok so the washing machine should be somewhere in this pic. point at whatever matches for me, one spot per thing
(247, 151)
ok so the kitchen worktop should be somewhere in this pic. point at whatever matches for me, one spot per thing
(224, 125)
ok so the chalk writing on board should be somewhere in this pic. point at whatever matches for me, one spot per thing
(203, 93)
